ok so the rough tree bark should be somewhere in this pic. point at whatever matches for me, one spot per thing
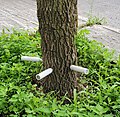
(58, 23)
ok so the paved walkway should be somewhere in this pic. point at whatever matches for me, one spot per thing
(18, 13)
(109, 9)
(22, 14)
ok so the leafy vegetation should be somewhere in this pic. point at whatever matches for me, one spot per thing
(100, 94)
(94, 20)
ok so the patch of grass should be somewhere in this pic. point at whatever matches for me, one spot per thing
(100, 96)
(94, 20)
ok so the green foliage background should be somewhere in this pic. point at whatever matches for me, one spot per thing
(100, 94)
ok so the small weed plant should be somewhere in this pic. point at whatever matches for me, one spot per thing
(100, 94)
(92, 20)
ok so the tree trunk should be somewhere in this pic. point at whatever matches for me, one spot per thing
(58, 23)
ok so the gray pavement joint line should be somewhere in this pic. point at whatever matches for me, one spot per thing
(106, 27)
(25, 19)
(7, 11)
(15, 20)
(18, 10)
(112, 29)
(15, 15)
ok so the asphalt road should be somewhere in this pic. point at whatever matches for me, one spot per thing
(109, 9)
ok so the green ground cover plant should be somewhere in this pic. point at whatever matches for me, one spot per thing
(100, 89)
(93, 20)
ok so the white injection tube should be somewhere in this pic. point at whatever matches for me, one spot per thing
(44, 73)
(28, 58)
(79, 69)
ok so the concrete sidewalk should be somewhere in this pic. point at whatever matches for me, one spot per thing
(22, 14)
(18, 13)
(109, 36)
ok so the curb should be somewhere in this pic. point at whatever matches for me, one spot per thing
(116, 30)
